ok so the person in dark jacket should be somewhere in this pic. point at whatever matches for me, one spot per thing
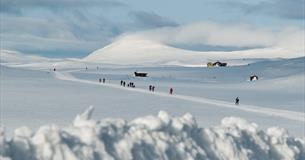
(153, 88)
(171, 90)
(237, 101)
(100, 80)
(104, 80)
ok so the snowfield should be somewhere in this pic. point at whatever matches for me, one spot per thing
(151, 137)
(44, 102)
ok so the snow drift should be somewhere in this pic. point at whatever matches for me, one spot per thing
(151, 137)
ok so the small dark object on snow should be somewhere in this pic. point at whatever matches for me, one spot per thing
(104, 80)
(100, 80)
(253, 77)
(219, 64)
(54, 69)
(137, 74)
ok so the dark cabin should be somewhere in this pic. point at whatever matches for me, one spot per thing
(138, 74)
(219, 64)
(253, 78)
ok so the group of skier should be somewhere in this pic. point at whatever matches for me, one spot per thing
(151, 88)
(130, 84)
(102, 80)
(123, 83)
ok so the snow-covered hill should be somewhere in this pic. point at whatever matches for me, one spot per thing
(138, 50)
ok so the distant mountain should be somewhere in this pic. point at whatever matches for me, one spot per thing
(8, 56)
(136, 50)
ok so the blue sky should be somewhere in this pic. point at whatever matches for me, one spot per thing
(74, 28)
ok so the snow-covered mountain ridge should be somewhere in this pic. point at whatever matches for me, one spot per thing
(137, 50)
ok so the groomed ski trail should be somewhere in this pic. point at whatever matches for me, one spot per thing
(291, 115)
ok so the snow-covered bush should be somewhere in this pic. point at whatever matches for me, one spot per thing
(151, 137)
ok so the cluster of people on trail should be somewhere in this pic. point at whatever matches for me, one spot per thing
(123, 83)
(102, 80)
(151, 88)
(131, 84)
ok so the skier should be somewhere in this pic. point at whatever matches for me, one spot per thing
(104, 80)
(124, 83)
(153, 88)
(121, 82)
(100, 80)
(150, 88)
(171, 91)
(237, 101)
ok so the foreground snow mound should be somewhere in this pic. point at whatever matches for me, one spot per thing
(151, 137)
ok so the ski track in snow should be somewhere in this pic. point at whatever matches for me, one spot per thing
(291, 115)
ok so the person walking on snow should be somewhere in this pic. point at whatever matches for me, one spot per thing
(104, 80)
(150, 87)
(153, 88)
(171, 91)
(100, 80)
(237, 101)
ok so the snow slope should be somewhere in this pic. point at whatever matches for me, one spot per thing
(34, 96)
(151, 137)
(138, 50)
(39, 97)
(298, 116)
(21, 60)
